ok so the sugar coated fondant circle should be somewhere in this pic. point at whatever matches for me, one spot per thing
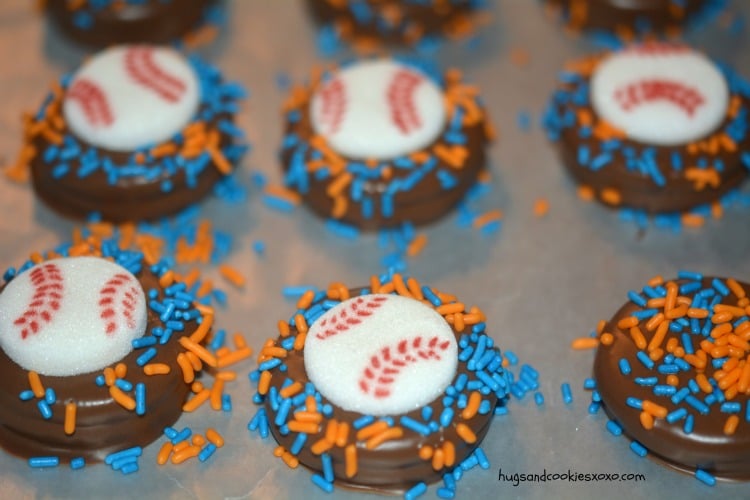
(660, 94)
(72, 315)
(131, 96)
(381, 354)
(378, 109)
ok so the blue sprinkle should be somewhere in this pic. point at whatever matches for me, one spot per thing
(689, 424)
(705, 477)
(26, 395)
(183, 435)
(594, 408)
(44, 409)
(676, 415)
(124, 385)
(77, 463)
(327, 464)
(135, 451)
(321, 483)
(142, 342)
(206, 452)
(634, 403)
(43, 462)
(638, 449)
(624, 366)
(539, 398)
(147, 356)
(416, 491)
(49, 396)
(589, 384)
(446, 417)
(731, 407)
(645, 360)
(140, 398)
(567, 394)
(614, 428)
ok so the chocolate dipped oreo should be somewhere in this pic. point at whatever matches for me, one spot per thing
(137, 132)
(383, 389)
(655, 127)
(371, 23)
(376, 143)
(672, 371)
(101, 23)
(627, 17)
(90, 357)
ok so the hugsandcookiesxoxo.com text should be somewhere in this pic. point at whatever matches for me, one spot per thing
(516, 478)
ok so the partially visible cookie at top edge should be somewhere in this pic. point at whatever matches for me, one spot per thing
(109, 22)
(137, 132)
(631, 17)
(672, 371)
(657, 127)
(371, 24)
(379, 142)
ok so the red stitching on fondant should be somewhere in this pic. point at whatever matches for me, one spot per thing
(379, 376)
(333, 101)
(401, 103)
(142, 68)
(109, 311)
(635, 94)
(93, 102)
(47, 282)
(353, 314)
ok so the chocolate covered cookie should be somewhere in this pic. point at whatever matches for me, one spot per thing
(656, 127)
(672, 370)
(626, 17)
(94, 355)
(137, 132)
(100, 23)
(376, 143)
(370, 23)
(386, 388)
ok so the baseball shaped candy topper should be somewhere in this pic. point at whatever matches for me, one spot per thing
(70, 316)
(131, 96)
(378, 109)
(381, 354)
(660, 94)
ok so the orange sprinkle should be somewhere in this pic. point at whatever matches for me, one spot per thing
(425, 452)
(227, 376)
(214, 437)
(465, 433)
(703, 383)
(199, 351)
(342, 434)
(658, 338)
(611, 196)
(731, 425)
(300, 323)
(156, 369)
(321, 446)
(291, 390)
(628, 322)
(196, 387)
(382, 437)
(264, 383)
(472, 407)
(121, 398)
(216, 391)
(182, 455)
(449, 452)
(673, 380)
(303, 427)
(638, 339)
(109, 376)
(647, 420)
(299, 342)
(70, 418)
(198, 440)
(654, 321)
(36, 384)
(697, 313)
(416, 245)
(400, 286)
(166, 279)
(370, 430)
(582, 343)
(332, 430)
(735, 287)
(234, 357)
(232, 275)
(438, 459)
(445, 309)
(290, 460)
(308, 416)
(541, 207)
(180, 446)
(201, 332)
(284, 193)
(196, 401)
(654, 409)
(486, 218)
(163, 456)
(283, 328)
(195, 361)
(585, 193)
(350, 457)
(607, 339)
(414, 288)
(744, 381)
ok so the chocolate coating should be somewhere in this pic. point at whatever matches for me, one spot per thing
(102, 425)
(394, 466)
(617, 15)
(425, 202)
(152, 21)
(707, 447)
(408, 21)
(637, 190)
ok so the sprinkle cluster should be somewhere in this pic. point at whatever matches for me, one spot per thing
(350, 184)
(209, 140)
(481, 387)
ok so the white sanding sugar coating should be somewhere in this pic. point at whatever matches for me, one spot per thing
(378, 109)
(660, 94)
(381, 354)
(70, 316)
(131, 96)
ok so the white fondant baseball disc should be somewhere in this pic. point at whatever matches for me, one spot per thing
(378, 109)
(130, 96)
(660, 94)
(381, 354)
(71, 316)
